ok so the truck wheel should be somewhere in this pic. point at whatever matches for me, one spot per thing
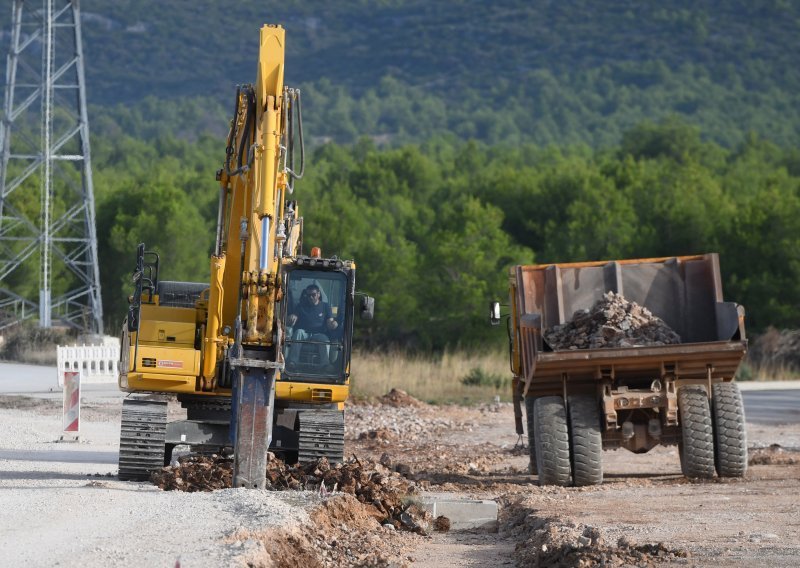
(586, 441)
(730, 437)
(697, 435)
(551, 436)
(531, 441)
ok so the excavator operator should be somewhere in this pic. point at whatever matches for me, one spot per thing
(312, 314)
(311, 318)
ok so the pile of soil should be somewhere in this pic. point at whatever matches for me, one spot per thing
(398, 397)
(342, 532)
(545, 542)
(381, 435)
(612, 322)
(773, 455)
(373, 484)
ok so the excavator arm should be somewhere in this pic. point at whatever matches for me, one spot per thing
(219, 347)
(245, 269)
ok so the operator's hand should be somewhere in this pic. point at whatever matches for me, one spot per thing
(291, 320)
(332, 323)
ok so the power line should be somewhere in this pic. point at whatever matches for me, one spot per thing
(47, 224)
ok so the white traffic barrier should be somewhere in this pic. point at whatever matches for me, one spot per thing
(96, 363)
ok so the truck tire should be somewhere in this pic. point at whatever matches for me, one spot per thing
(730, 437)
(586, 441)
(531, 441)
(551, 435)
(697, 434)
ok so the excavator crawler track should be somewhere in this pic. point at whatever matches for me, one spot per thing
(142, 438)
(321, 435)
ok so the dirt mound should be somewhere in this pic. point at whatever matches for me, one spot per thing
(397, 397)
(773, 455)
(369, 482)
(342, 532)
(555, 542)
(776, 349)
(612, 322)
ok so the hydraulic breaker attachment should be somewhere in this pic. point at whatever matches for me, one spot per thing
(253, 407)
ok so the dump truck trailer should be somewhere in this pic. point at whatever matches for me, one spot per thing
(581, 401)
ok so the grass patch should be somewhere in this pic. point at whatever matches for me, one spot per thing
(767, 372)
(467, 377)
(462, 377)
(478, 377)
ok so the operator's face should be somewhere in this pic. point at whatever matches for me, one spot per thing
(314, 296)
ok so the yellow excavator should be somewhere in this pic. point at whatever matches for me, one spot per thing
(259, 356)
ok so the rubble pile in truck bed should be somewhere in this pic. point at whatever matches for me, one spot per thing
(612, 322)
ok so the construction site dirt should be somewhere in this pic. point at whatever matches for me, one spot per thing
(367, 513)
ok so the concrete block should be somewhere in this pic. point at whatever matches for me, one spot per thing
(464, 514)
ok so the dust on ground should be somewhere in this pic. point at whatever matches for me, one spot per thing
(645, 513)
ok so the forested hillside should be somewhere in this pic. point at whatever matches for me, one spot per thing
(435, 227)
(499, 71)
(453, 139)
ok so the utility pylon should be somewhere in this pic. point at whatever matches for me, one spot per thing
(48, 243)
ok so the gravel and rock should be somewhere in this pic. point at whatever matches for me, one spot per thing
(384, 492)
(67, 496)
(555, 542)
(613, 321)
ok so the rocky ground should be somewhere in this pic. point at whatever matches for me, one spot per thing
(645, 514)
(362, 513)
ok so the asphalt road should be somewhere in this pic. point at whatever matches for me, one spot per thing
(42, 382)
(772, 407)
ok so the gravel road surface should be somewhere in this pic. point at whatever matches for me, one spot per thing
(62, 504)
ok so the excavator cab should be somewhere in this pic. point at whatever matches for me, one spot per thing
(318, 311)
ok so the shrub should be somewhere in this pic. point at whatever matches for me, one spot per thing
(477, 377)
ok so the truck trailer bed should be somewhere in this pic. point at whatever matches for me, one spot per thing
(696, 361)
(685, 292)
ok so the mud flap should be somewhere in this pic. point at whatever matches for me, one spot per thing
(253, 407)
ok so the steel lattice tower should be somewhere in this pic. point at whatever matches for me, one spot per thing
(47, 224)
